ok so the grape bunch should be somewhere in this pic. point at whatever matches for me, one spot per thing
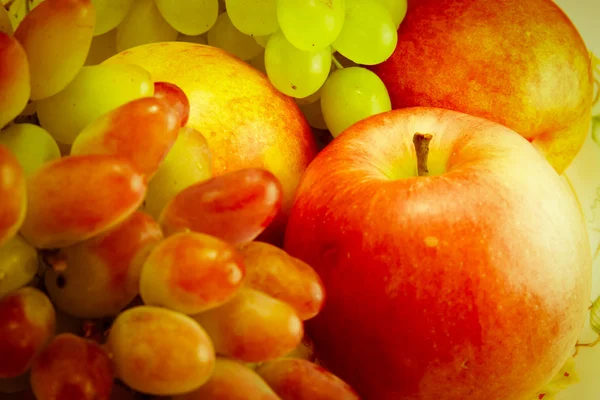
(312, 50)
(127, 268)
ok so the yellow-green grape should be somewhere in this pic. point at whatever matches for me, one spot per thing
(31, 145)
(56, 36)
(227, 37)
(189, 161)
(262, 40)
(352, 94)
(258, 62)
(295, 72)
(369, 35)
(18, 264)
(109, 14)
(190, 17)
(95, 91)
(314, 114)
(199, 39)
(143, 24)
(253, 17)
(312, 24)
(5, 24)
(397, 10)
(103, 47)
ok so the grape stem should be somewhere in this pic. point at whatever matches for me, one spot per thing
(336, 62)
(421, 143)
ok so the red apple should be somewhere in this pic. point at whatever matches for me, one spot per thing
(520, 63)
(245, 120)
(470, 283)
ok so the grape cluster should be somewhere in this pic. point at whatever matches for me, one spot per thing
(126, 266)
(314, 51)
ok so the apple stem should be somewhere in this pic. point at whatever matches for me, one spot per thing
(421, 143)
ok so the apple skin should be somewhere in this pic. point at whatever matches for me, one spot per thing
(520, 63)
(245, 120)
(471, 283)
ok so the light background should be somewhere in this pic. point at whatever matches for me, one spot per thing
(584, 175)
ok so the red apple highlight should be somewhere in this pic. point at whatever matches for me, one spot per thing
(471, 282)
(520, 63)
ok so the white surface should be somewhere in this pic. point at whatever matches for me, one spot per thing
(584, 175)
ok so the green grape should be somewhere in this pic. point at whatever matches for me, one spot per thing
(596, 129)
(5, 24)
(143, 24)
(313, 114)
(295, 72)
(95, 91)
(103, 47)
(109, 14)
(199, 39)
(18, 264)
(262, 40)
(369, 35)
(226, 36)
(31, 145)
(253, 17)
(397, 10)
(352, 94)
(311, 24)
(190, 17)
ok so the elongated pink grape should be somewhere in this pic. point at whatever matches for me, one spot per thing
(108, 266)
(77, 197)
(56, 36)
(191, 272)
(72, 368)
(149, 122)
(15, 85)
(235, 207)
(27, 323)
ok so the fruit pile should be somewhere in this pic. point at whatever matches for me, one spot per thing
(126, 267)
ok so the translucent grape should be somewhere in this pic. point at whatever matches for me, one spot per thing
(31, 145)
(175, 97)
(253, 17)
(397, 10)
(313, 113)
(235, 207)
(95, 91)
(143, 24)
(102, 48)
(190, 273)
(368, 35)
(13, 196)
(350, 95)
(276, 273)
(295, 72)
(226, 36)
(159, 351)
(56, 36)
(100, 276)
(5, 24)
(199, 39)
(15, 85)
(189, 161)
(72, 367)
(77, 197)
(311, 24)
(190, 17)
(253, 327)
(231, 380)
(18, 264)
(149, 121)
(28, 322)
(262, 40)
(294, 379)
(109, 14)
